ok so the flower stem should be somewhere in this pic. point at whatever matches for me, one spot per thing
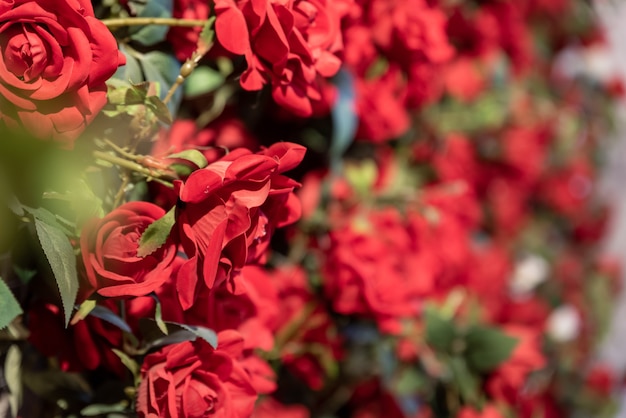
(142, 21)
(157, 175)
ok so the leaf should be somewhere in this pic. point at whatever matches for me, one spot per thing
(176, 333)
(181, 170)
(487, 347)
(24, 274)
(131, 72)
(163, 69)
(192, 155)
(207, 36)
(160, 109)
(465, 380)
(47, 217)
(9, 306)
(101, 409)
(126, 95)
(13, 377)
(156, 233)
(60, 255)
(152, 34)
(344, 117)
(54, 384)
(127, 361)
(104, 313)
(158, 315)
(13, 204)
(440, 332)
(203, 80)
(85, 308)
(206, 334)
(410, 382)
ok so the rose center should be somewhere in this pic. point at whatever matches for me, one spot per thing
(24, 53)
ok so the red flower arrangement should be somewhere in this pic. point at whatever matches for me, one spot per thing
(299, 208)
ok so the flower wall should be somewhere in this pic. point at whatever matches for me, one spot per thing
(303, 208)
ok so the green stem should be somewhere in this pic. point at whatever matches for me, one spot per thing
(142, 21)
(158, 175)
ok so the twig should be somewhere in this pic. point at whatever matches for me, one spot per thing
(142, 21)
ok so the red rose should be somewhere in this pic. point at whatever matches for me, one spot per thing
(109, 250)
(228, 213)
(380, 107)
(317, 340)
(286, 44)
(507, 382)
(489, 411)
(410, 31)
(56, 57)
(464, 80)
(370, 268)
(184, 40)
(251, 313)
(192, 379)
(601, 380)
(84, 346)
(223, 135)
(271, 408)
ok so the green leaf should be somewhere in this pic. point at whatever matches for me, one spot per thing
(129, 362)
(598, 293)
(60, 255)
(101, 409)
(105, 314)
(159, 109)
(158, 315)
(47, 217)
(410, 382)
(13, 204)
(54, 384)
(206, 334)
(152, 34)
(182, 170)
(440, 332)
(9, 307)
(85, 308)
(192, 155)
(203, 80)
(163, 69)
(13, 377)
(487, 348)
(131, 72)
(176, 333)
(207, 36)
(24, 274)
(126, 95)
(156, 233)
(467, 382)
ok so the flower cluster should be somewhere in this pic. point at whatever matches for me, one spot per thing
(303, 208)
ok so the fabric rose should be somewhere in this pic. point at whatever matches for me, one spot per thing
(489, 411)
(224, 134)
(56, 58)
(317, 340)
(380, 107)
(271, 408)
(287, 45)
(184, 40)
(86, 345)
(109, 251)
(192, 379)
(252, 313)
(507, 382)
(228, 213)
